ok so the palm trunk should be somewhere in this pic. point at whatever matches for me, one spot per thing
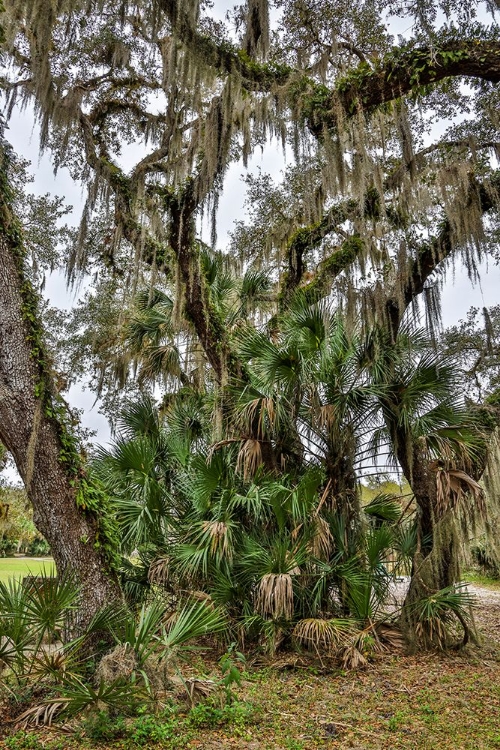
(33, 428)
(436, 564)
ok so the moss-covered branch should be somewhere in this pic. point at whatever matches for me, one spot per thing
(304, 240)
(400, 72)
(224, 57)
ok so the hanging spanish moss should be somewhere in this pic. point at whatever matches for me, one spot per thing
(256, 39)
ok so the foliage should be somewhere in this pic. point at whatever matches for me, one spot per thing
(18, 532)
(36, 618)
(435, 612)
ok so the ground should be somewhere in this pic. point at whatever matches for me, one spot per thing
(429, 701)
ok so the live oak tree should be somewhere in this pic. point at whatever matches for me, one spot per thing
(35, 426)
(369, 213)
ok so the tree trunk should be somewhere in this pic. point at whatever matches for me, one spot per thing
(34, 428)
(436, 564)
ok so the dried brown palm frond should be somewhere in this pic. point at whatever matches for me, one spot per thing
(321, 542)
(368, 643)
(327, 415)
(42, 714)
(274, 597)
(352, 658)
(391, 635)
(249, 458)
(318, 633)
(198, 690)
(219, 534)
(221, 444)
(432, 632)
(453, 486)
(261, 410)
(159, 571)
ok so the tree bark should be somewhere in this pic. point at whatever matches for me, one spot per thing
(32, 427)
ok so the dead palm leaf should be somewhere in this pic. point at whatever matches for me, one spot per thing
(352, 658)
(42, 714)
(249, 458)
(318, 633)
(453, 486)
(391, 635)
(274, 596)
(321, 542)
(159, 571)
(219, 534)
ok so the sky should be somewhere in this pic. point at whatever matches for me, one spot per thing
(459, 294)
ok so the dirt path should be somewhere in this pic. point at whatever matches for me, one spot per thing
(487, 611)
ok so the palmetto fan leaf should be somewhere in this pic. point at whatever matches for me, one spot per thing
(384, 507)
(193, 621)
(150, 298)
(139, 418)
(306, 327)
(132, 473)
(254, 291)
(271, 364)
(435, 612)
(151, 326)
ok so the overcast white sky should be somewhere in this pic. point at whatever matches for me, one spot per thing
(458, 295)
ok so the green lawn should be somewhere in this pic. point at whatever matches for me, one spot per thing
(18, 567)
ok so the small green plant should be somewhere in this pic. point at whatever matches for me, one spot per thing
(103, 727)
(23, 741)
(211, 714)
(291, 744)
(231, 665)
(148, 728)
(396, 721)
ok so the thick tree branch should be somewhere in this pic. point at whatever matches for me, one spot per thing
(152, 251)
(306, 239)
(198, 308)
(399, 73)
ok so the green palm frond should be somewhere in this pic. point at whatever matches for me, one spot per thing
(148, 298)
(384, 507)
(193, 621)
(139, 418)
(434, 614)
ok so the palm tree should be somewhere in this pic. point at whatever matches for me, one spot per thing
(435, 442)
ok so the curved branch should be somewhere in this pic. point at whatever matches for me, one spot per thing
(132, 230)
(224, 56)
(417, 160)
(401, 72)
(306, 239)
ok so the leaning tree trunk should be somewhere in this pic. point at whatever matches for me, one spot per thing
(436, 563)
(34, 426)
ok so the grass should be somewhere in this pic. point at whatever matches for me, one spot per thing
(18, 567)
(480, 579)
